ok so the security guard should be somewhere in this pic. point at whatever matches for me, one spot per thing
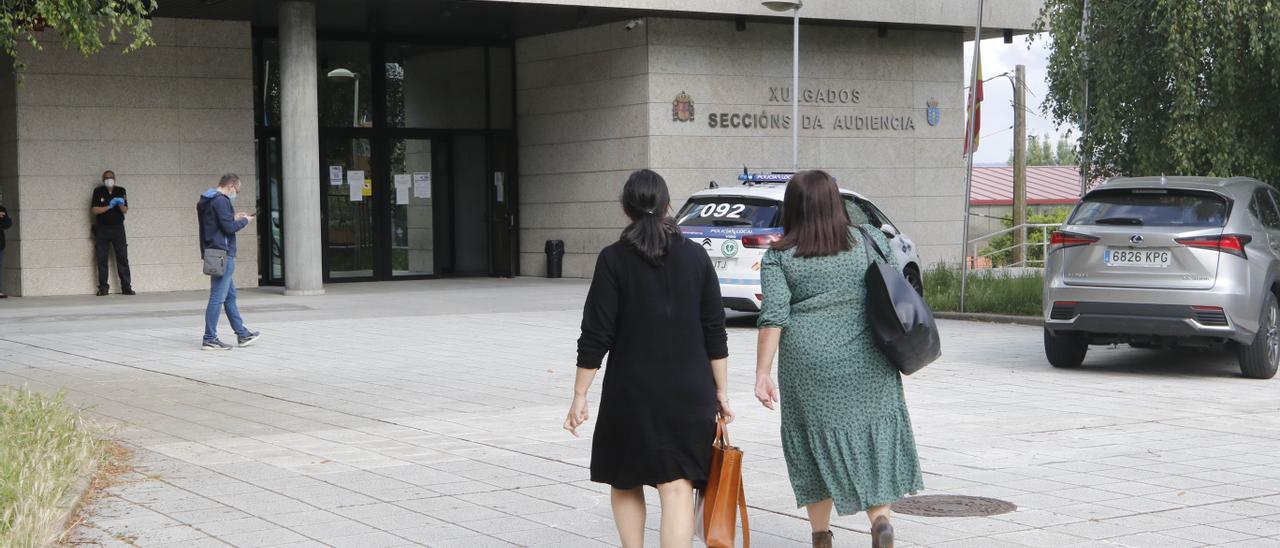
(109, 205)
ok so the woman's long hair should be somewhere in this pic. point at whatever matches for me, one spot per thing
(814, 220)
(646, 201)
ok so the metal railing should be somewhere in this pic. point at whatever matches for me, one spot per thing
(1026, 246)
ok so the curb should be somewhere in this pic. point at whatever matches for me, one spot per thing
(1034, 321)
(72, 501)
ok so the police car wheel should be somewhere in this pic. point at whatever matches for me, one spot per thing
(913, 277)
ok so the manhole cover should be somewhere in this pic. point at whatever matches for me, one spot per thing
(948, 506)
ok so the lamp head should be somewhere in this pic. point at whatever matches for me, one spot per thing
(341, 73)
(783, 5)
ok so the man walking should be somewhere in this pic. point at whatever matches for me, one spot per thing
(219, 223)
(5, 223)
(109, 205)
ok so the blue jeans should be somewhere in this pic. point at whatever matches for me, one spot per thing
(222, 294)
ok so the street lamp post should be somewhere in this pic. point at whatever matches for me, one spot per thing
(355, 103)
(794, 6)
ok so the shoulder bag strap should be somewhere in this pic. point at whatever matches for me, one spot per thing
(742, 506)
(867, 243)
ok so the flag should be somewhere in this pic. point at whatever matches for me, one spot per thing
(975, 117)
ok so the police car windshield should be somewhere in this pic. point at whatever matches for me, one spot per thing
(729, 211)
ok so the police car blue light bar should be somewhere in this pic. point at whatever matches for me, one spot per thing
(765, 177)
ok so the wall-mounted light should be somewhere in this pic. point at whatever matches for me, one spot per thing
(1008, 36)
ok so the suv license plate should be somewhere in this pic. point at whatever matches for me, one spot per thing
(723, 264)
(1149, 258)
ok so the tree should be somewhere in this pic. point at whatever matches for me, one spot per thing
(1175, 86)
(1042, 152)
(80, 24)
(1066, 151)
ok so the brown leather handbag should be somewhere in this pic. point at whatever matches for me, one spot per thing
(724, 497)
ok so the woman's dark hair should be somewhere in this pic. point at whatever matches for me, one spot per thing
(814, 220)
(646, 201)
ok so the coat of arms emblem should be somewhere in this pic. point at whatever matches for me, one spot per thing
(932, 114)
(682, 108)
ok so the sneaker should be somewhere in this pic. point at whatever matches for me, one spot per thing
(128, 292)
(215, 345)
(249, 339)
(102, 292)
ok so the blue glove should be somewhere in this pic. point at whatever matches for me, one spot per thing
(117, 201)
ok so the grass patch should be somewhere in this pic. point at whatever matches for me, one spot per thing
(46, 449)
(987, 292)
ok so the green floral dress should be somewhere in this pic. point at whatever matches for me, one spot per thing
(846, 434)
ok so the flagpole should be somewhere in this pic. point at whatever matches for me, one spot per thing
(968, 175)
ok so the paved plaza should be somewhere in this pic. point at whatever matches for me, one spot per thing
(429, 413)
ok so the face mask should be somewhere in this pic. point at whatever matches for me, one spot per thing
(109, 182)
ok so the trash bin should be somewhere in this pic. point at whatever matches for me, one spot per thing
(555, 257)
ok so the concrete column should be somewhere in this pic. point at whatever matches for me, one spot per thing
(300, 149)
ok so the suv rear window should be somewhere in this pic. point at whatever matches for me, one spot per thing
(729, 211)
(1152, 207)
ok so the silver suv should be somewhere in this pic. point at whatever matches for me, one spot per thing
(1163, 262)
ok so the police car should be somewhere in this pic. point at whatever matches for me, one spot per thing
(736, 225)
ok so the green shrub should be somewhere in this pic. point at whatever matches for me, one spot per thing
(987, 292)
(1035, 237)
(46, 448)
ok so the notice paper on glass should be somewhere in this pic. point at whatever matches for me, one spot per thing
(422, 184)
(355, 181)
(335, 175)
(404, 182)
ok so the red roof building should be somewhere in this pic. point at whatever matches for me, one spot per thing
(1046, 185)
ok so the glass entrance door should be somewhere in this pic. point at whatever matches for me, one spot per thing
(349, 206)
(412, 223)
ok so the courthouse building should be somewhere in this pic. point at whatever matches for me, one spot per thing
(406, 139)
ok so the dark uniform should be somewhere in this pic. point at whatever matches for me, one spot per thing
(108, 232)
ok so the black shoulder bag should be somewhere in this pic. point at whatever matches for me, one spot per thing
(901, 323)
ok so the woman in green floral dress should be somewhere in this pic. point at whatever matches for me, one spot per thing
(846, 434)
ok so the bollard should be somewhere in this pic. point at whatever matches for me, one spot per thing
(555, 258)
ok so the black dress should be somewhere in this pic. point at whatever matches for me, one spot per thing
(661, 327)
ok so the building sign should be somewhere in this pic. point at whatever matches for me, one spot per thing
(770, 117)
(820, 96)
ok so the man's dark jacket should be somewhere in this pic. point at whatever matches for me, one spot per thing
(218, 224)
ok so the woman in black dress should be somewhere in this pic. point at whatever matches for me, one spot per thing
(654, 307)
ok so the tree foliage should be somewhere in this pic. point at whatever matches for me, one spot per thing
(1043, 152)
(79, 24)
(1175, 86)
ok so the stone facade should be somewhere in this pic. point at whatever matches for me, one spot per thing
(169, 120)
(596, 103)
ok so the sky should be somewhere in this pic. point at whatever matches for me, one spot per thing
(996, 143)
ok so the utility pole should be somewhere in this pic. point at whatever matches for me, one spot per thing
(1084, 113)
(1020, 166)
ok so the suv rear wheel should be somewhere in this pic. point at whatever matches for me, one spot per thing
(1260, 359)
(1065, 349)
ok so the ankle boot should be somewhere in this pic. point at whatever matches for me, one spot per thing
(882, 533)
(822, 540)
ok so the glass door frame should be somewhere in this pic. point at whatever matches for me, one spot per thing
(380, 137)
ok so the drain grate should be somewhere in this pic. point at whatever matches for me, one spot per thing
(947, 506)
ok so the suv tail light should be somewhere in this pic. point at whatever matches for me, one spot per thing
(1062, 240)
(1226, 243)
(760, 241)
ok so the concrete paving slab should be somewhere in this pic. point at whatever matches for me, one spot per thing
(428, 413)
